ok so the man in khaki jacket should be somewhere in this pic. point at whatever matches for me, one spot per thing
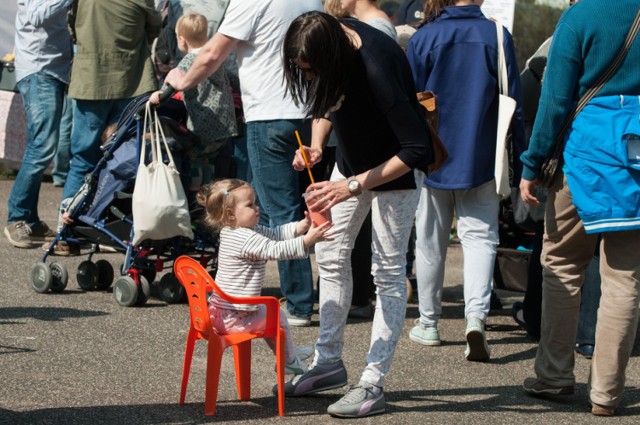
(112, 65)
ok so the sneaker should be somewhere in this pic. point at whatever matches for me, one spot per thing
(19, 234)
(600, 410)
(425, 335)
(318, 378)
(63, 249)
(585, 350)
(40, 232)
(361, 400)
(534, 386)
(298, 321)
(303, 352)
(295, 367)
(477, 348)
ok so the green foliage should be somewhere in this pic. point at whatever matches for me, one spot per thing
(533, 24)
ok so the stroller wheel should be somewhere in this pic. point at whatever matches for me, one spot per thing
(105, 275)
(60, 277)
(125, 291)
(87, 275)
(171, 291)
(41, 278)
(144, 291)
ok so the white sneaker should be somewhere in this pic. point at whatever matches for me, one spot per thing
(477, 348)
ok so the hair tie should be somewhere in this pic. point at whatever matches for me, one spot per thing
(224, 192)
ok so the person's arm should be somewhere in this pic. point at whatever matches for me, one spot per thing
(518, 137)
(210, 58)
(320, 130)
(39, 11)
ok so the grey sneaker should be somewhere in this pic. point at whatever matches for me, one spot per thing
(298, 321)
(361, 400)
(19, 234)
(425, 335)
(319, 378)
(477, 348)
(295, 367)
(40, 232)
(534, 386)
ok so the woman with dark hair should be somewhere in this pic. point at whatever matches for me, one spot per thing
(354, 78)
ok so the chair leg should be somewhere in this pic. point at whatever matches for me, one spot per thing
(280, 362)
(242, 359)
(214, 360)
(186, 366)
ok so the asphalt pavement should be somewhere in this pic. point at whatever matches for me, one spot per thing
(79, 358)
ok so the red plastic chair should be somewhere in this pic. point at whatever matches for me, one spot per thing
(197, 282)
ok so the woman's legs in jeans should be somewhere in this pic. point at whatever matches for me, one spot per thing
(391, 216)
(477, 219)
(433, 226)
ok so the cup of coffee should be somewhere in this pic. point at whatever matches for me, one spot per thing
(317, 218)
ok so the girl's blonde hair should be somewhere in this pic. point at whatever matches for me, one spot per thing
(333, 8)
(217, 199)
(194, 28)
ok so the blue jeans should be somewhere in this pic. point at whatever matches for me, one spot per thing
(63, 154)
(90, 119)
(43, 97)
(271, 146)
(589, 305)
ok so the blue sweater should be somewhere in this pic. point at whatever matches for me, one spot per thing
(455, 55)
(586, 39)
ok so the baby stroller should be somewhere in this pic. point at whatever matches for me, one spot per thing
(101, 214)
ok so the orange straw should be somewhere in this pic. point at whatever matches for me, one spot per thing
(304, 156)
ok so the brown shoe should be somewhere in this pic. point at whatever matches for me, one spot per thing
(600, 410)
(63, 248)
(534, 386)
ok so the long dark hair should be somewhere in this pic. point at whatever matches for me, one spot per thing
(318, 39)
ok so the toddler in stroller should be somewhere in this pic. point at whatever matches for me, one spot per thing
(100, 214)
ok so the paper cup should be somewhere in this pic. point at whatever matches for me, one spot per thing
(317, 218)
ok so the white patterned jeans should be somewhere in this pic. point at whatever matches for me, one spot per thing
(392, 218)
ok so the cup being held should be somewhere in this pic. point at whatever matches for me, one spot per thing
(317, 217)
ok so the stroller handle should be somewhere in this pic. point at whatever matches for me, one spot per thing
(166, 93)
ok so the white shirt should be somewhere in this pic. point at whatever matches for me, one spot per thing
(261, 26)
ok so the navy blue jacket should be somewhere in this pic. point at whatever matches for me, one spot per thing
(456, 56)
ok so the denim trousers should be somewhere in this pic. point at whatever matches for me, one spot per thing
(90, 119)
(62, 159)
(477, 221)
(43, 98)
(271, 146)
(566, 253)
(392, 215)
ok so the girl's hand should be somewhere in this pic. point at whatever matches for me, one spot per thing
(318, 234)
(323, 195)
(313, 156)
(303, 225)
(154, 99)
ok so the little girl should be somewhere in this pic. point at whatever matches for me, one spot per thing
(245, 247)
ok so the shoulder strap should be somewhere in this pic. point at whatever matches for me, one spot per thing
(590, 94)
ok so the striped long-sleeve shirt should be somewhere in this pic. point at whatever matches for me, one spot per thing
(243, 255)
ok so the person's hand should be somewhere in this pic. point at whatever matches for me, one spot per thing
(154, 99)
(175, 78)
(66, 218)
(318, 234)
(323, 195)
(303, 225)
(313, 156)
(526, 192)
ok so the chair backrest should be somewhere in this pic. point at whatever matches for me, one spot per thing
(197, 282)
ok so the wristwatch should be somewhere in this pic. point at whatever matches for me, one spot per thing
(354, 186)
